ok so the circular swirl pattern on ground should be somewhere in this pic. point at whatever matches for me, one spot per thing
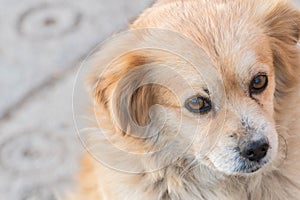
(31, 152)
(48, 21)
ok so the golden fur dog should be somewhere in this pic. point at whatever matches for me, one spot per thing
(199, 100)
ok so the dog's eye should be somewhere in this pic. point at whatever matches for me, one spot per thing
(198, 104)
(258, 84)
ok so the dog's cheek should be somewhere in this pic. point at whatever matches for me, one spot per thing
(221, 159)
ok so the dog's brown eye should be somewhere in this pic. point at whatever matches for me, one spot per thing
(258, 84)
(198, 104)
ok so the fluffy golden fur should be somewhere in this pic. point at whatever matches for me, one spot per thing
(168, 152)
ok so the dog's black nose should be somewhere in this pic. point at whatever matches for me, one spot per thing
(255, 150)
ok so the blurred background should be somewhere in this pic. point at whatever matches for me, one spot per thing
(42, 43)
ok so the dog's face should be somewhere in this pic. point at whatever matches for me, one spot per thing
(242, 134)
(219, 107)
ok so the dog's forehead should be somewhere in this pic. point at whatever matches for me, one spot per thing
(242, 64)
(239, 65)
(235, 45)
(234, 42)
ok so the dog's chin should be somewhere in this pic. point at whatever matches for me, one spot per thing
(242, 167)
(250, 168)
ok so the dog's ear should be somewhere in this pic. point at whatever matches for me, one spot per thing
(134, 94)
(282, 25)
(124, 90)
(282, 21)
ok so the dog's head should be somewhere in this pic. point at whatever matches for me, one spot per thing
(208, 83)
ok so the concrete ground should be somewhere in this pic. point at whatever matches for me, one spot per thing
(42, 43)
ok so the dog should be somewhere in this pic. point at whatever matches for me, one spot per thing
(199, 99)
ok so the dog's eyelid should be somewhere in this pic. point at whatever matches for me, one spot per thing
(206, 91)
(260, 74)
(203, 95)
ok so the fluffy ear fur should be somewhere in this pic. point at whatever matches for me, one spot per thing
(126, 92)
(133, 97)
(282, 24)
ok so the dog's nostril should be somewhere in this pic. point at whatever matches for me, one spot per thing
(265, 147)
(255, 151)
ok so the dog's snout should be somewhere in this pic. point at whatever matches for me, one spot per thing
(255, 150)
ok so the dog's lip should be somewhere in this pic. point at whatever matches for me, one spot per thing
(252, 170)
(257, 166)
(249, 172)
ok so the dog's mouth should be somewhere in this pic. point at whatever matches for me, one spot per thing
(244, 166)
(235, 164)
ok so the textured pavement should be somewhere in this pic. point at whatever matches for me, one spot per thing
(42, 43)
